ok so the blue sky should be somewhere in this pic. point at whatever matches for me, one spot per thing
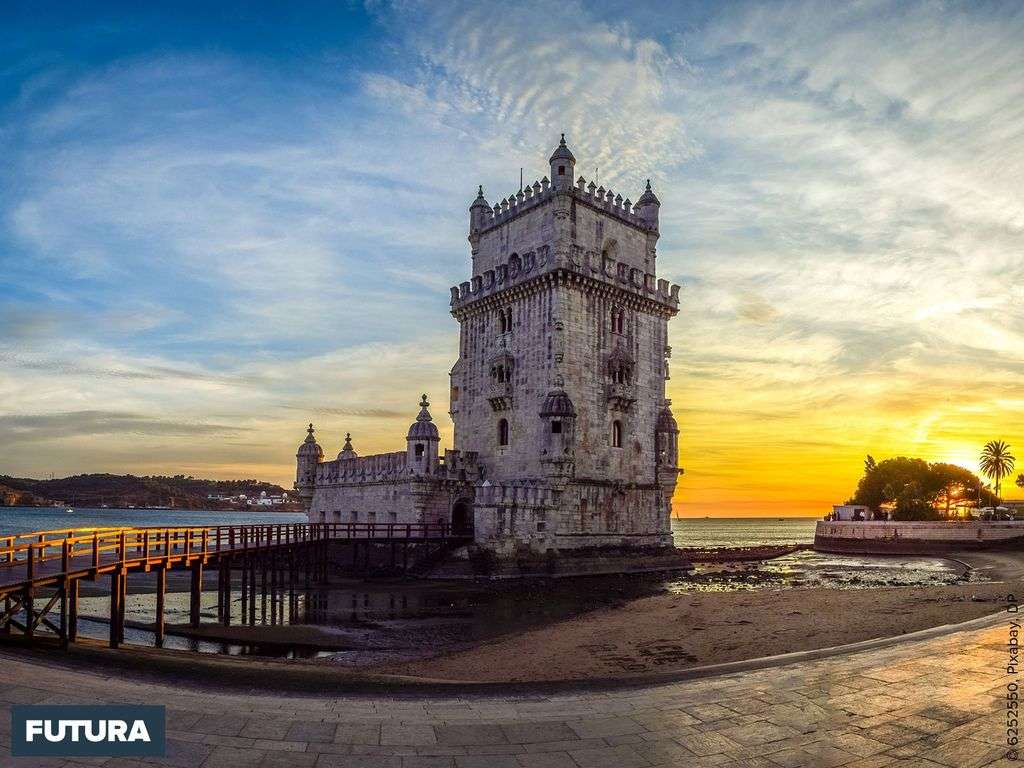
(216, 225)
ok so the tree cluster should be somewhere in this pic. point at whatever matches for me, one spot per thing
(918, 490)
(93, 490)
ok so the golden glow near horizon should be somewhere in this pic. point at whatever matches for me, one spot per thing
(186, 288)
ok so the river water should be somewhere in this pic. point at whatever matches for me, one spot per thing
(362, 622)
(697, 532)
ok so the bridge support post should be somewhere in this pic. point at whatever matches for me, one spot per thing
(272, 565)
(244, 597)
(116, 591)
(263, 588)
(195, 593)
(293, 602)
(5, 625)
(161, 593)
(30, 613)
(64, 612)
(252, 590)
(73, 611)
(225, 567)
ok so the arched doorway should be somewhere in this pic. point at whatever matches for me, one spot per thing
(462, 518)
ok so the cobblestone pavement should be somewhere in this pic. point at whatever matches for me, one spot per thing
(935, 702)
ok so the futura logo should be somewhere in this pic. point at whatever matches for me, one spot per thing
(110, 731)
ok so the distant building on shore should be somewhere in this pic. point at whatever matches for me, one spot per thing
(563, 436)
(850, 512)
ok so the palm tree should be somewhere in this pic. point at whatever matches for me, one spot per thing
(1020, 480)
(996, 462)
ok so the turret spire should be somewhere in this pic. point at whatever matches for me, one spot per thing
(347, 451)
(424, 414)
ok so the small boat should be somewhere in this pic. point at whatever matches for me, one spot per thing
(69, 511)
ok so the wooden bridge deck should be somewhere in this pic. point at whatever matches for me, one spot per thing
(293, 555)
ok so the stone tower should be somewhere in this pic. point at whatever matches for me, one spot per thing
(559, 389)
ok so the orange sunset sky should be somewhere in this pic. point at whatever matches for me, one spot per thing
(212, 236)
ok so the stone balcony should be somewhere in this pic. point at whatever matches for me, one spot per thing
(621, 395)
(499, 395)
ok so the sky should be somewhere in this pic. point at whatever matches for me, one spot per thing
(221, 221)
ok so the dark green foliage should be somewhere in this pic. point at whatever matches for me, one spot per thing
(920, 491)
(187, 492)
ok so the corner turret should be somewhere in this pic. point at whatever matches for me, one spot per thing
(559, 432)
(647, 207)
(309, 455)
(563, 167)
(422, 442)
(478, 211)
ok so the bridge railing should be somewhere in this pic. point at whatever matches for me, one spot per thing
(104, 545)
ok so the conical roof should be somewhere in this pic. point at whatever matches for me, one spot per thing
(424, 427)
(347, 452)
(557, 403)
(310, 447)
(648, 196)
(562, 152)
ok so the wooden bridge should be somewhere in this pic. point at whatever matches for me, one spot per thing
(40, 572)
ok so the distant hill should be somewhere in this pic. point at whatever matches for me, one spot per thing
(179, 491)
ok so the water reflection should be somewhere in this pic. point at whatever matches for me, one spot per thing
(357, 623)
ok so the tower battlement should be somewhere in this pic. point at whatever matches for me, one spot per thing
(532, 196)
(523, 269)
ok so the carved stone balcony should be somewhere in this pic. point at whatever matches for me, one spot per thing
(499, 395)
(621, 395)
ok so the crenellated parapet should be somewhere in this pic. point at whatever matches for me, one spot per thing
(506, 209)
(533, 196)
(378, 468)
(523, 494)
(526, 268)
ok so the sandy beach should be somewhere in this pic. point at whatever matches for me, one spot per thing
(675, 632)
(681, 628)
(679, 631)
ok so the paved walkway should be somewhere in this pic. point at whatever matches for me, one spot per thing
(936, 702)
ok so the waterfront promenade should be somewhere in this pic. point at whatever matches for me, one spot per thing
(931, 702)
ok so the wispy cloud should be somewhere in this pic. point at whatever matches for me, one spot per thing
(196, 236)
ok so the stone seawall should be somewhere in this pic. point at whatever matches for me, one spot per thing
(916, 538)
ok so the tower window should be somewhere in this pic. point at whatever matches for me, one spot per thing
(561, 170)
(419, 450)
(616, 434)
(556, 427)
(505, 320)
(618, 322)
(503, 432)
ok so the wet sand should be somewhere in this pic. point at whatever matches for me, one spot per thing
(675, 632)
(678, 631)
(665, 632)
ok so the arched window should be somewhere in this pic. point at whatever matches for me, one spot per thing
(503, 324)
(618, 320)
(616, 434)
(503, 432)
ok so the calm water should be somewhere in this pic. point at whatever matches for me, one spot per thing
(26, 519)
(742, 531)
(719, 532)
(363, 622)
